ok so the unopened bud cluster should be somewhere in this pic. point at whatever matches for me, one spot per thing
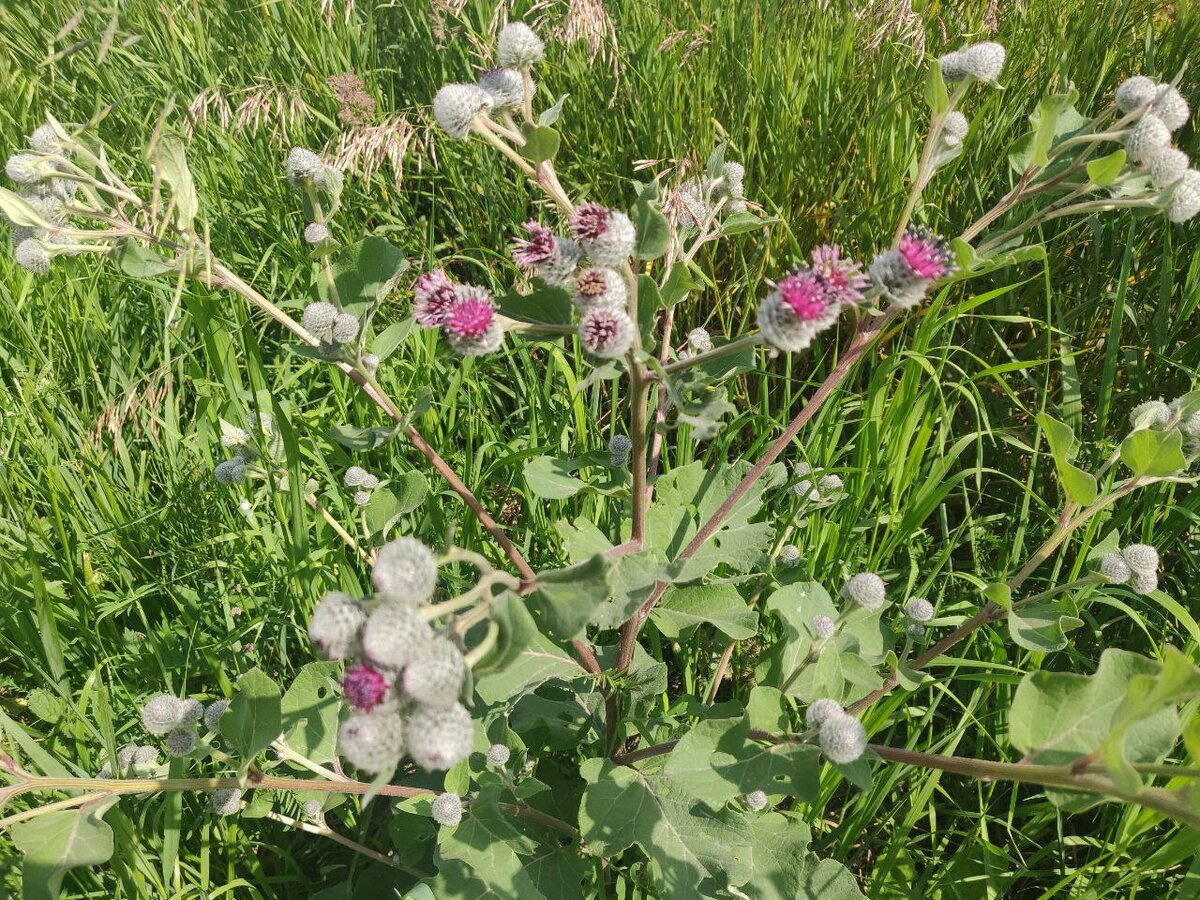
(1135, 566)
(362, 483)
(1161, 110)
(842, 737)
(177, 719)
(132, 759)
(814, 487)
(38, 177)
(250, 445)
(700, 200)
(402, 680)
(1181, 414)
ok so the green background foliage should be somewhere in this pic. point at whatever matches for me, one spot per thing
(125, 570)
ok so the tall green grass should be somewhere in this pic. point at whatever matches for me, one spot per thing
(125, 570)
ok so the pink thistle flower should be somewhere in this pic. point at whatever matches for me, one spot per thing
(364, 687)
(843, 276)
(589, 221)
(538, 249)
(472, 312)
(606, 332)
(805, 292)
(433, 294)
(926, 253)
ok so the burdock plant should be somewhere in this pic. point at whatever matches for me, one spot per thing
(516, 707)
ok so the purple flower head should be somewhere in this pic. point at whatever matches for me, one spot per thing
(842, 275)
(805, 292)
(537, 250)
(926, 253)
(433, 295)
(364, 687)
(606, 332)
(589, 221)
(592, 284)
(471, 313)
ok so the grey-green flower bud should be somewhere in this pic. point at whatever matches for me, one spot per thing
(181, 740)
(395, 635)
(919, 609)
(316, 233)
(226, 801)
(866, 589)
(212, 715)
(373, 741)
(842, 738)
(434, 676)
(518, 47)
(820, 710)
(1114, 569)
(31, 254)
(405, 571)
(440, 738)
(161, 713)
(498, 755)
(447, 809)
(335, 625)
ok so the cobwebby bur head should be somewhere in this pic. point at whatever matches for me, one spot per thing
(607, 236)
(518, 47)
(405, 571)
(470, 322)
(865, 589)
(439, 738)
(606, 332)
(456, 106)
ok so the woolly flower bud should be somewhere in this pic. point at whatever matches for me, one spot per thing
(1185, 201)
(789, 554)
(318, 319)
(984, 61)
(434, 677)
(619, 448)
(370, 361)
(506, 87)
(606, 332)
(843, 739)
(363, 687)
(226, 801)
(395, 635)
(312, 810)
(447, 809)
(212, 715)
(190, 711)
(45, 140)
(757, 800)
(1147, 139)
(518, 47)
(1191, 427)
(31, 254)
(335, 624)
(916, 629)
(354, 476)
(953, 65)
(181, 741)
(919, 609)
(316, 233)
(607, 235)
(455, 106)
(955, 126)
(1171, 108)
(498, 755)
(1168, 167)
(1151, 414)
(896, 280)
(600, 287)
(1135, 92)
(829, 484)
(145, 756)
(440, 738)
(26, 168)
(345, 328)
(699, 340)
(362, 498)
(303, 165)
(866, 589)
(161, 713)
(1143, 582)
(1141, 558)
(1114, 568)
(373, 742)
(559, 269)
(230, 471)
(369, 482)
(405, 571)
(433, 295)
(823, 627)
(235, 438)
(820, 710)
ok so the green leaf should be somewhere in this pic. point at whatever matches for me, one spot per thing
(386, 506)
(550, 478)
(550, 114)
(1105, 170)
(59, 840)
(411, 489)
(715, 165)
(566, 599)
(170, 164)
(682, 609)
(653, 229)
(364, 273)
(782, 868)
(1059, 717)
(141, 262)
(1054, 117)
(1041, 626)
(740, 223)
(677, 285)
(541, 143)
(545, 306)
(309, 711)
(538, 662)
(649, 303)
(517, 631)
(1078, 485)
(254, 717)
(386, 342)
(687, 842)
(1149, 453)
(16, 209)
(937, 98)
(716, 760)
(362, 439)
(999, 593)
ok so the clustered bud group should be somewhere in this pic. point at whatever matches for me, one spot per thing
(177, 719)
(402, 681)
(814, 487)
(841, 736)
(250, 445)
(1161, 110)
(1135, 566)
(39, 178)
(362, 482)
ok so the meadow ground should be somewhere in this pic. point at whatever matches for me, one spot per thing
(124, 568)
